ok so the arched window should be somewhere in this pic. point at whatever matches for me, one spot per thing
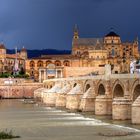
(57, 63)
(66, 63)
(113, 52)
(48, 62)
(32, 64)
(40, 63)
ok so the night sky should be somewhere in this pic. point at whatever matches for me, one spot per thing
(40, 24)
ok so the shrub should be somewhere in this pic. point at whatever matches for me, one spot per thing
(7, 135)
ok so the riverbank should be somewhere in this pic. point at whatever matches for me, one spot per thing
(34, 122)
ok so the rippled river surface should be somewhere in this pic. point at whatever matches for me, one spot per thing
(33, 122)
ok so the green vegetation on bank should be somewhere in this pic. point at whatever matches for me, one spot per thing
(6, 75)
(20, 74)
(7, 135)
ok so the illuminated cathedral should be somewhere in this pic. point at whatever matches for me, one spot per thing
(89, 56)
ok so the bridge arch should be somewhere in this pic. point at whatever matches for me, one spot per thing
(118, 89)
(87, 84)
(101, 89)
(135, 90)
(87, 87)
(74, 85)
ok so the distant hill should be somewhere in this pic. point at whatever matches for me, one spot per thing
(37, 53)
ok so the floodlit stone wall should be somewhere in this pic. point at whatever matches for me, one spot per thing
(110, 94)
(19, 90)
(78, 71)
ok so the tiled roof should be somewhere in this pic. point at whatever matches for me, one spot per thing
(87, 41)
(56, 57)
(13, 56)
(99, 47)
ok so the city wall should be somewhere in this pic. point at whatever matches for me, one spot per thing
(17, 88)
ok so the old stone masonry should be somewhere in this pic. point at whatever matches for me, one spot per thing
(110, 94)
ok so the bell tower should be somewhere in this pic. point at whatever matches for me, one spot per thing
(23, 53)
(76, 34)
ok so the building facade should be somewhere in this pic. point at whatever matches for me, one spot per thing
(7, 61)
(88, 54)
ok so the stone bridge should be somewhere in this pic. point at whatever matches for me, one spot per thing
(110, 94)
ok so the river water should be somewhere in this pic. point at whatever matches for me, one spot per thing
(33, 122)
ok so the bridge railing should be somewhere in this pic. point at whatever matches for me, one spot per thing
(97, 77)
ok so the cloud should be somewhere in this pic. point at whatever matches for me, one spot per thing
(49, 23)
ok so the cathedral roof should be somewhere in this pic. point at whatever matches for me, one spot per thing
(13, 56)
(87, 41)
(56, 57)
(99, 47)
(2, 46)
(112, 34)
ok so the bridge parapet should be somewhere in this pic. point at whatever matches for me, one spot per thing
(97, 77)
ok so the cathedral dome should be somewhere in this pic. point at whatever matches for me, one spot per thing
(112, 34)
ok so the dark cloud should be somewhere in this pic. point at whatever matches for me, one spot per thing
(49, 23)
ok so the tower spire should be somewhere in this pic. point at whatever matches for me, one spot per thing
(137, 40)
(76, 34)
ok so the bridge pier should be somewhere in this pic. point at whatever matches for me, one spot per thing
(73, 101)
(73, 98)
(87, 103)
(61, 96)
(103, 102)
(103, 105)
(136, 111)
(121, 108)
(61, 100)
(38, 94)
(51, 95)
(44, 92)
